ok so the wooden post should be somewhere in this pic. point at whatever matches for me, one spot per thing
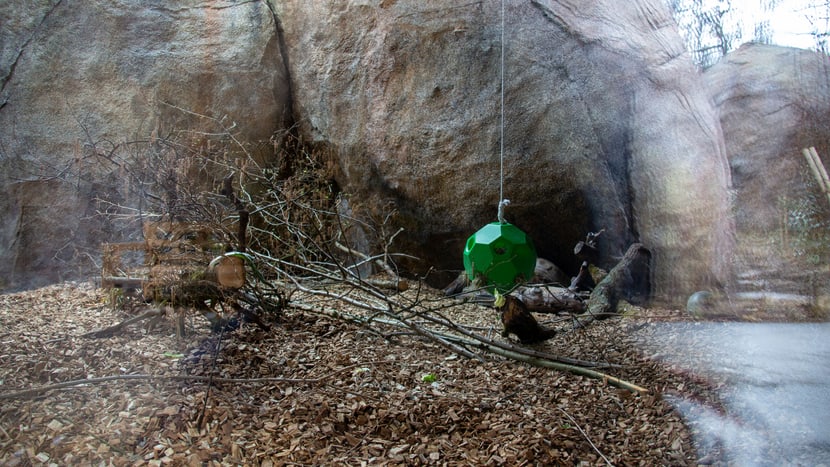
(819, 172)
(230, 272)
(630, 280)
(785, 223)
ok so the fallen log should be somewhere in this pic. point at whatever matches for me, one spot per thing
(548, 299)
(630, 280)
(117, 328)
(544, 273)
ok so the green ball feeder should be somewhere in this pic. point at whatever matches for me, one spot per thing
(501, 255)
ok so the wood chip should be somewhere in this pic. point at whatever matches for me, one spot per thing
(369, 401)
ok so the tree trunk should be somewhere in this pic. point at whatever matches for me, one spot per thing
(549, 299)
(630, 280)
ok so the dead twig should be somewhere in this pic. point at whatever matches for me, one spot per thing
(818, 170)
(105, 379)
(366, 258)
(585, 435)
(460, 345)
(112, 330)
(24, 393)
(577, 370)
(513, 348)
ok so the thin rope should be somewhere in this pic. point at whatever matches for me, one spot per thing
(502, 204)
(502, 201)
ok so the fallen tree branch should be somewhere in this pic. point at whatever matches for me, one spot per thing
(363, 322)
(545, 363)
(141, 377)
(112, 330)
(819, 172)
(366, 321)
(585, 435)
(550, 299)
(482, 343)
(395, 321)
(629, 280)
(525, 351)
(398, 314)
(513, 348)
(105, 379)
(366, 258)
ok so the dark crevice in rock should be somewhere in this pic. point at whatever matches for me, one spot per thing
(164, 8)
(628, 193)
(289, 120)
(4, 98)
(289, 117)
(551, 15)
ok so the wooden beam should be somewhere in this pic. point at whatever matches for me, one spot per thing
(819, 172)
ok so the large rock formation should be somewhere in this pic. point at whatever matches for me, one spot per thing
(606, 125)
(774, 102)
(606, 122)
(79, 78)
(769, 98)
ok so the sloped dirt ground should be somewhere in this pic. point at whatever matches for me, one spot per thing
(319, 391)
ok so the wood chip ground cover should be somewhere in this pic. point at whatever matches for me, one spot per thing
(321, 391)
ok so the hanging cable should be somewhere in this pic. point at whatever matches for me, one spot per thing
(500, 254)
(502, 204)
(502, 201)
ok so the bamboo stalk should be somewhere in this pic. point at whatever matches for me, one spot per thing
(80, 382)
(577, 370)
(821, 168)
(812, 163)
(819, 172)
(507, 351)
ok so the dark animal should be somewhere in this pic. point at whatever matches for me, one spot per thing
(517, 320)
(583, 282)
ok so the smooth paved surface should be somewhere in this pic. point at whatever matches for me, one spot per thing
(777, 391)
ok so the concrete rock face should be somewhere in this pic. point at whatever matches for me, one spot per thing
(773, 103)
(769, 99)
(607, 125)
(78, 78)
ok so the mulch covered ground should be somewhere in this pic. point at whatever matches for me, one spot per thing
(321, 391)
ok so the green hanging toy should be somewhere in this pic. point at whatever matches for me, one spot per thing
(500, 254)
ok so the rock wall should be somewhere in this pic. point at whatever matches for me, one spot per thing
(79, 78)
(774, 102)
(607, 125)
(769, 98)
